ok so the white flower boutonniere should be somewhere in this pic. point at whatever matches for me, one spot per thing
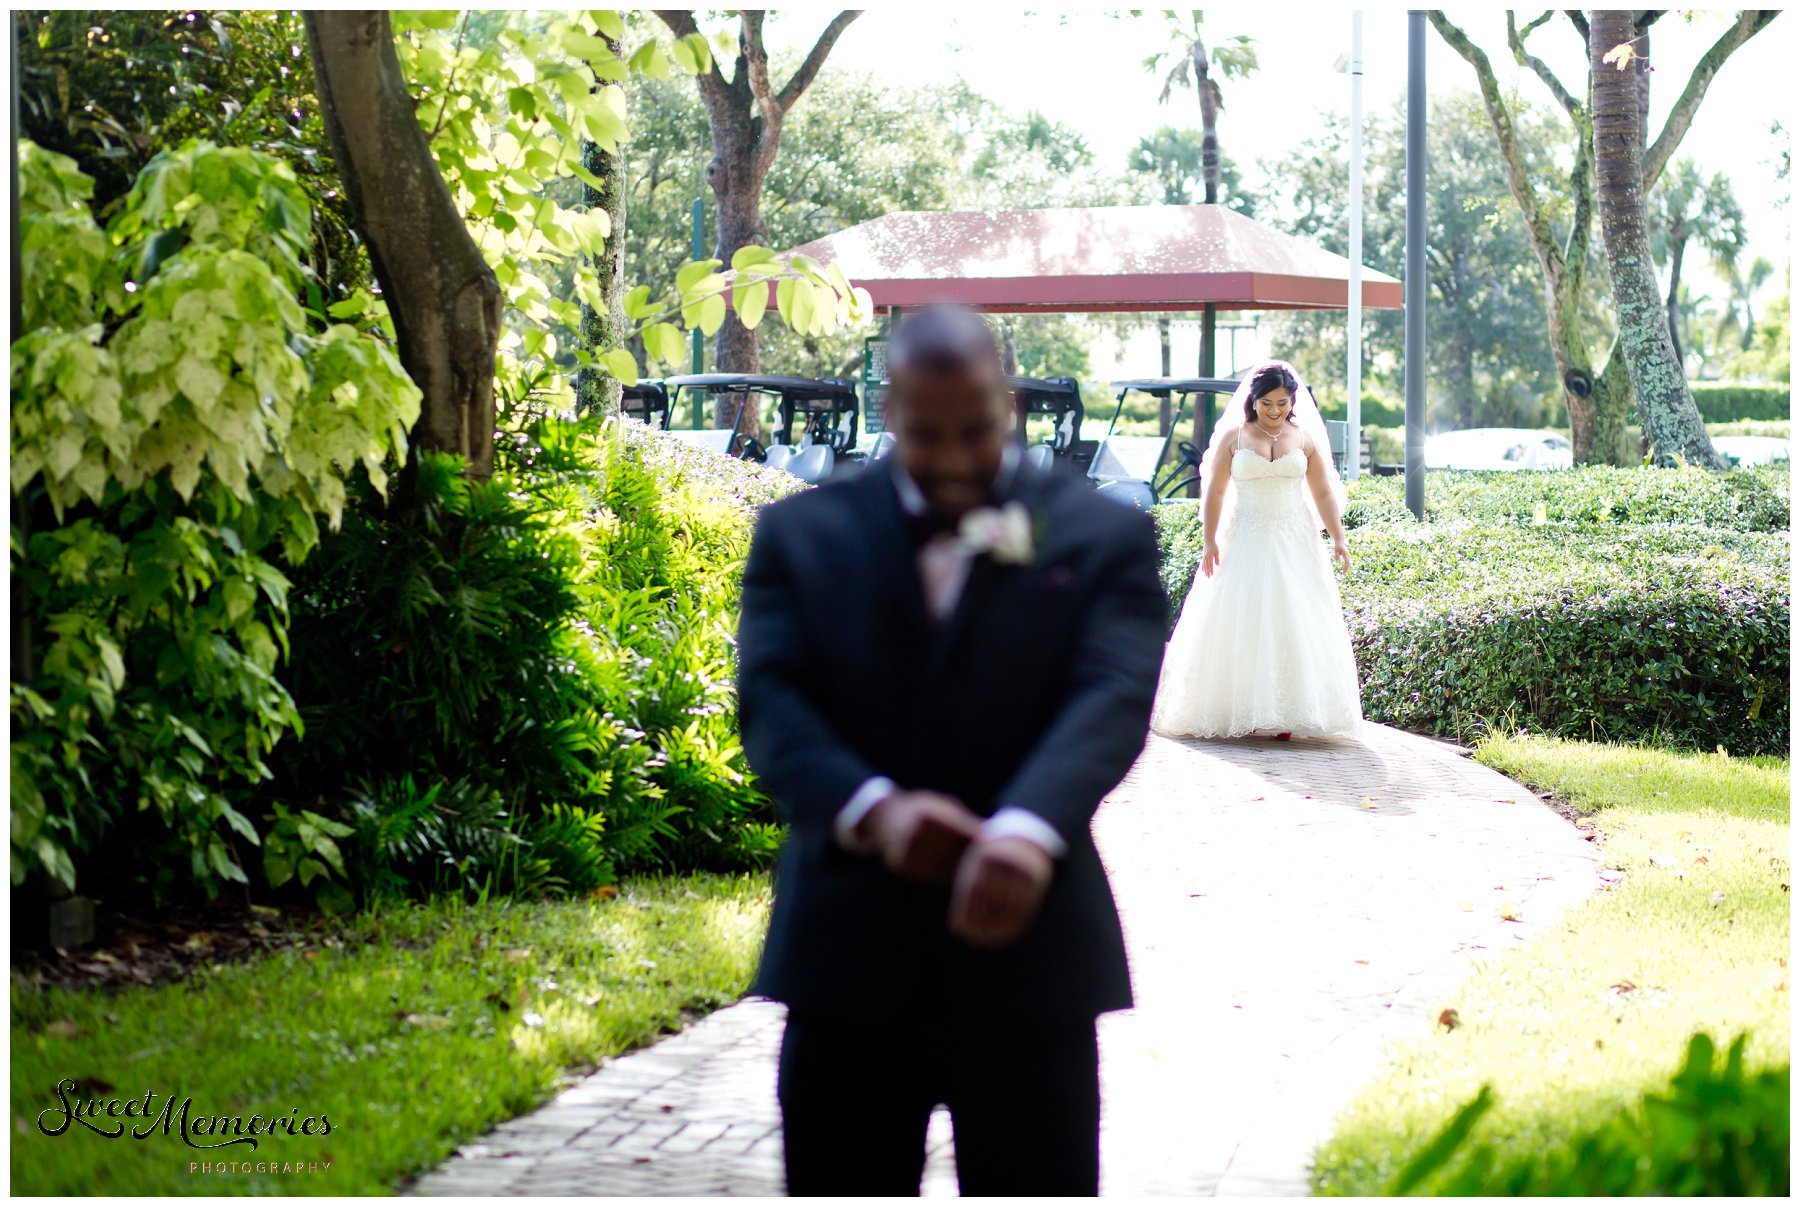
(1003, 533)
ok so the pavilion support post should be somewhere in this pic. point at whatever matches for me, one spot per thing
(1414, 285)
(1209, 355)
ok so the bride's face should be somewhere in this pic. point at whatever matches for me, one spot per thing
(1272, 408)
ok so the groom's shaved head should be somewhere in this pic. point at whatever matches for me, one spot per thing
(942, 339)
(949, 408)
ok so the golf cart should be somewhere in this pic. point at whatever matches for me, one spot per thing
(826, 442)
(648, 400)
(1131, 468)
(1058, 399)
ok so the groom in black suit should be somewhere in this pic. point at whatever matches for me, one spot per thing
(945, 663)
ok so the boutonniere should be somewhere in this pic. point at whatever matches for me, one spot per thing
(1003, 533)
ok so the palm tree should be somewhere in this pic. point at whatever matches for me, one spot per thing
(1672, 425)
(1171, 160)
(1744, 285)
(1684, 207)
(1191, 63)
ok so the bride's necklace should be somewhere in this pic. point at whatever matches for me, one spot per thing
(1274, 436)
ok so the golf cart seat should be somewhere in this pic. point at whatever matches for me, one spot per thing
(779, 456)
(813, 463)
(1040, 456)
(1129, 491)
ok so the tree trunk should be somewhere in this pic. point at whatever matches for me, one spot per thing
(1209, 124)
(603, 329)
(1671, 422)
(1679, 241)
(1459, 377)
(737, 349)
(1166, 402)
(443, 297)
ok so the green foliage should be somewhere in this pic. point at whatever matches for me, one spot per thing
(488, 1006)
(175, 418)
(1726, 402)
(1715, 1130)
(1642, 606)
(1750, 499)
(559, 637)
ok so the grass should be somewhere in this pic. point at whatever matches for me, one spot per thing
(413, 1030)
(1692, 935)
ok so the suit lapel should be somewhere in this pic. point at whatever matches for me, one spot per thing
(985, 576)
(895, 561)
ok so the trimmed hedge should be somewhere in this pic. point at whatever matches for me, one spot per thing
(1653, 606)
(1753, 498)
(1725, 402)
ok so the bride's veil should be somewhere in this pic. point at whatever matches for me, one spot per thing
(1305, 415)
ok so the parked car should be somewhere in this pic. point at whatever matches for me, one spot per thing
(1504, 448)
(1752, 450)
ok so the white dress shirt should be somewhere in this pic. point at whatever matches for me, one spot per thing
(943, 571)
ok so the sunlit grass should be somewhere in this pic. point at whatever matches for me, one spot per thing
(1571, 1027)
(424, 1027)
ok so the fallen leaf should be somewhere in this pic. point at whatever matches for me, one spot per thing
(1450, 1020)
(1508, 801)
(65, 1028)
(1701, 859)
(1624, 987)
(518, 953)
(429, 1022)
(1718, 898)
(1361, 961)
(605, 892)
(1368, 802)
(198, 941)
(1510, 913)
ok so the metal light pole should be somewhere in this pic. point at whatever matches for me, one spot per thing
(1353, 342)
(699, 253)
(1415, 262)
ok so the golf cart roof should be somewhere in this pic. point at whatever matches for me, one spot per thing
(1046, 393)
(647, 388)
(799, 389)
(1178, 385)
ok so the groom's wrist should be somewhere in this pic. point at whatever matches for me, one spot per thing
(1015, 822)
(849, 823)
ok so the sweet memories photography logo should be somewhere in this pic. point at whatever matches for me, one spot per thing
(111, 1118)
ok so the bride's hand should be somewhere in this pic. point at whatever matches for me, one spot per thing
(1340, 553)
(1209, 560)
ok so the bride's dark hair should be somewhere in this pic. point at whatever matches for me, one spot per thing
(1266, 378)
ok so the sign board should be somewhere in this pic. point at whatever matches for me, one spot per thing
(874, 384)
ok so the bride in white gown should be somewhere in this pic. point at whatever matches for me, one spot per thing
(1261, 646)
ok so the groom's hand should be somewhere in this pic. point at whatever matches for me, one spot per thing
(999, 887)
(920, 836)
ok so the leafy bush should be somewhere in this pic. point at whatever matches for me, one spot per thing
(559, 637)
(1612, 619)
(1748, 499)
(176, 418)
(1655, 634)
(1714, 1131)
(1723, 402)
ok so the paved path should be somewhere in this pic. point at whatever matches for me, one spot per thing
(1289, 908)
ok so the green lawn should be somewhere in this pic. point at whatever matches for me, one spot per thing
(416, 1029)
(1582, 1022)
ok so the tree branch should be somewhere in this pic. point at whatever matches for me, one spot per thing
(1580, 21)
(1543, 239)
(1749, 23)
(1515, 38)
(803, 77)
(681, 23)
(756, 56)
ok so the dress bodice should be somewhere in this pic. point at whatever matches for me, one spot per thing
(1270, 492)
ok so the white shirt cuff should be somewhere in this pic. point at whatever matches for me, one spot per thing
(1014, 822)
(873, 791)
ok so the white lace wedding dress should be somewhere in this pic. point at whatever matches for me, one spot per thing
(1261, 645)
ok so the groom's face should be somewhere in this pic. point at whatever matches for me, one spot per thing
(950, 431)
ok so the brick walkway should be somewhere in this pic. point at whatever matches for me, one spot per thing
(1289, 907)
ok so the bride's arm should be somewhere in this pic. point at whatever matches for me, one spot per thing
(1218, 478)
(1320, 481)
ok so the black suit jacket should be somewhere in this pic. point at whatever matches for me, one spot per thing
(1036, 693)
